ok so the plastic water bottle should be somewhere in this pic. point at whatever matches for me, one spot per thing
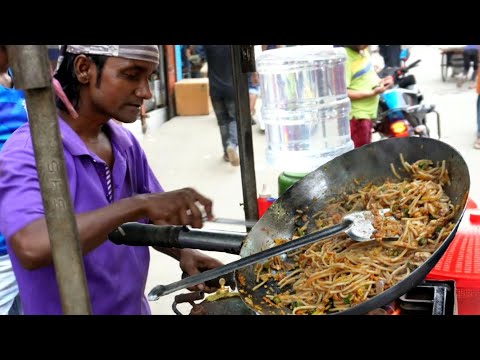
(305, 106)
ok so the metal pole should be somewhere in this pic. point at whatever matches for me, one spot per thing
(32, 73)
(243, 62)
(171, 79)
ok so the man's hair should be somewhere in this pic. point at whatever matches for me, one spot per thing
(66, 76)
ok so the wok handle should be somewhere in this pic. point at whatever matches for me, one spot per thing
(161, 290)
(138, 234)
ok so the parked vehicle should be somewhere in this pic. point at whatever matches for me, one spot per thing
(401, 111)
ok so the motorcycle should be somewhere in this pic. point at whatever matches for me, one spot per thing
(401, 110)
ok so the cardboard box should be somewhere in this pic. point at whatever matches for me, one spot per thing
(192, 97)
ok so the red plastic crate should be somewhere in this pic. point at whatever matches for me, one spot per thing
(461, 262)
(471, 204)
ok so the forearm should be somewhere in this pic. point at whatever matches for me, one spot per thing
(32, 244)
(360, 94)
(94, 232)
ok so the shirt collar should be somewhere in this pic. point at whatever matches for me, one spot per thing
(75, 145)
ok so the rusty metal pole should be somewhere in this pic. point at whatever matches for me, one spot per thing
(243, 62)
(31, 70)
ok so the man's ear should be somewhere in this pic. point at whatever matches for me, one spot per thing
(82, 67)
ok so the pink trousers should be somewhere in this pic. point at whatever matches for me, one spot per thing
(361, 131)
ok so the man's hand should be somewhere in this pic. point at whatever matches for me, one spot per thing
(193, 262)
(379, 89)
(179, 207)
(384, 84)
(387, 82)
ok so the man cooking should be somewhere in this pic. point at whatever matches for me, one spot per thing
(110, 182)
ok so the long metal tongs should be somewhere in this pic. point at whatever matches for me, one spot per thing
(357, 225)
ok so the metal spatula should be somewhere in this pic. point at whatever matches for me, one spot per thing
(357, 225)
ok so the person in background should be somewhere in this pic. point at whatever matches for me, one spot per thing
(254, 85)
(13, 114)
(109, 178)
(186, 66)
(223, 98)
(253, 92)
(470, 59)
(196, 58)
(193, 59)
(53, 54)
(476, 145)
(390, 54)
(363, 88)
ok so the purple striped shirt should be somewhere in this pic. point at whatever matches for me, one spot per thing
(108, 183)
(116, 275)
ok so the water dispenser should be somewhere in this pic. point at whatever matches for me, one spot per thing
(305, 106)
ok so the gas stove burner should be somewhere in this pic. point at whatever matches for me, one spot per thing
(390, 309)
(430, 298)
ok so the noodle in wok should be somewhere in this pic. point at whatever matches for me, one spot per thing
(337, 273)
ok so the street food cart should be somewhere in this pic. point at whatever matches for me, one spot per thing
(451, 61)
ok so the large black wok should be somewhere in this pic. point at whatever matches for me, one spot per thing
(370, 163)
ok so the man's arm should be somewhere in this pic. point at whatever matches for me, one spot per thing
(360, 94)
(379, 89)
(32, 246)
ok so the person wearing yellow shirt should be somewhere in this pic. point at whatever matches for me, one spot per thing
(363, 88)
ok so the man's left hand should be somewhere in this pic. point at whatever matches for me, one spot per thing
(193, 262)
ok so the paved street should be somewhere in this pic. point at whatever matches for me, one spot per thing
(186, 151)
(457, 108)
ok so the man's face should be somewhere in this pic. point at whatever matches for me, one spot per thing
(122, 88)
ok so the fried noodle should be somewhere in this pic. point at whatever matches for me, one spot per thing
(337, 273)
